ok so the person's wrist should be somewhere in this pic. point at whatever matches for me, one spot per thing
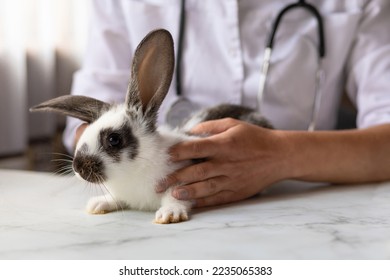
(298, 154)
(289, 166)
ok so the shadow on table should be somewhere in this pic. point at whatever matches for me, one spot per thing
(289, 190)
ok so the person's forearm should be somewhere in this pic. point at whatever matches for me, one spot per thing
(350, 156)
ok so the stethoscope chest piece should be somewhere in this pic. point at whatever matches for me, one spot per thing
(179, 111)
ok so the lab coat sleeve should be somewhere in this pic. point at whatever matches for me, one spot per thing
(368, 68)
(105, 71)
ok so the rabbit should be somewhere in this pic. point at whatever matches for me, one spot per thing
(123, 149)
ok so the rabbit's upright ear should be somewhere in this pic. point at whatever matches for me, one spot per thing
(84, 108)
(151, 72)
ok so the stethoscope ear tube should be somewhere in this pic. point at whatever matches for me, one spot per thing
(317, 96)
(263, 76)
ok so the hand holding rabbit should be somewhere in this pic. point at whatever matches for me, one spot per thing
(240, 161)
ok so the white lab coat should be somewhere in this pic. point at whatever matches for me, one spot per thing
(223, 52)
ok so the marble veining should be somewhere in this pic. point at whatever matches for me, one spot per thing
(42, 216)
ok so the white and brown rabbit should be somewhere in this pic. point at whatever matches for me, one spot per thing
(123, 149)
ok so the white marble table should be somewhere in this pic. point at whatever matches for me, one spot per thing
(42, 217)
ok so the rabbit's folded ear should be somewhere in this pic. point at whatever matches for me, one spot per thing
(151, 72)
(84, 108)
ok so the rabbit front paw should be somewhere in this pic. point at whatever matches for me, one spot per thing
(102, 205)
(175, 213)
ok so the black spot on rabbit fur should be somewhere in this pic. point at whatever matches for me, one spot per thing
(236, 112)
(83, 148)
(115, 142)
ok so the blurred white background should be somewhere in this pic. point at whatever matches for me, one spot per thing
(41, 44)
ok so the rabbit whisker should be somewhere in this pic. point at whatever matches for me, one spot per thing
(118, 205)
(65, 155)
(65, 170)
(62, 160)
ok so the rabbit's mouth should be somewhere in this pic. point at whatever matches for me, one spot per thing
(89, 168)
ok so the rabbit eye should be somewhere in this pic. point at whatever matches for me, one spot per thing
(118, 143)
(114, 139)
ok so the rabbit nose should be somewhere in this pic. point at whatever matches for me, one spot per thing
(89, 167)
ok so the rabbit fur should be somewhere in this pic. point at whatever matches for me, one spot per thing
(123, 149)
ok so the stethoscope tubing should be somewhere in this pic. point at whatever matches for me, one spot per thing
(267, 55)
(182, 25)
(313, 11)
(321, 54)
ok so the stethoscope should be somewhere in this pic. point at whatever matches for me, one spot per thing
(182, 107)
